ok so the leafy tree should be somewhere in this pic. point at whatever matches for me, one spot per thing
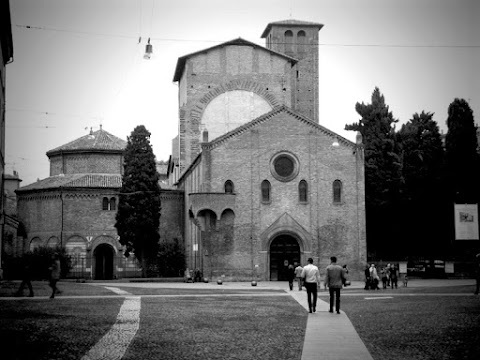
(138, 215)
(462, 158)
(422, 156)
(382, 169)
(171, 258)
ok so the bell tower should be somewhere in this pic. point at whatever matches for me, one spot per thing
(299, 40)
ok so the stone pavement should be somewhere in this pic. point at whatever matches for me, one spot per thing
(328, 336)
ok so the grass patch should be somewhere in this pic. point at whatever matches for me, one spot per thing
(418, 327)
(220, 328)
(41, 288)
(54, 329)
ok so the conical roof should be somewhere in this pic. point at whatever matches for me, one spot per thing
(100, 140)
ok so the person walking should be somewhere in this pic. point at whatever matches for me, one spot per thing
(384, 277)
(298, 275)
(54, 274)
(367, 277)
(334, 279)
(311, 276)
(374, 277)
(290, 276)
(26, 279)
(393, 276)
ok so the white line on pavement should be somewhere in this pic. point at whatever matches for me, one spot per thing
(115, 343)
(117, 290)
(379, 297)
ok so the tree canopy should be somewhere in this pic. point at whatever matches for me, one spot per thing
(462, 159)
(382, 162)
(138, 215)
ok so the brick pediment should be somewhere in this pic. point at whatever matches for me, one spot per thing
(286, 224)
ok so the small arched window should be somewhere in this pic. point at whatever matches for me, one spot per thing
(288, 41)
(105, 203)
(301, 40)
(265, 191)
(113, 204)
(302, 191)
(228, 187)
(337, 191)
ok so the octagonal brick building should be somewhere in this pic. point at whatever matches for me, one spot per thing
(75, 206)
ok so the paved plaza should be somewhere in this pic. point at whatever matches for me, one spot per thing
(327, 335)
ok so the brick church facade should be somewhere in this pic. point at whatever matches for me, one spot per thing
(265, 185)
(253, 184)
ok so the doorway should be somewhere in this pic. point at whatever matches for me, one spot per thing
(103, 262)
(284, 250)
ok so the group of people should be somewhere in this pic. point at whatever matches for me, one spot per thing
(309, 277)
(388, 275)
(54, 277)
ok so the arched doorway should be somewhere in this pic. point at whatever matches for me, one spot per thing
(103, 255)
(284, 250)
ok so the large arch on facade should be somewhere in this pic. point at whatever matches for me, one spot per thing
(246, 85)
(197, 111)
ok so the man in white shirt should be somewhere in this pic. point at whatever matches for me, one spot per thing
(298, 275)
(311, 277)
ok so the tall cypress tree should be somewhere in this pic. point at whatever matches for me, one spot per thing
(382, 172)
(461, 145)
(422, 205)
(138, 215)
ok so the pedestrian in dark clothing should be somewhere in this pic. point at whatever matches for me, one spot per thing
(334, 279)
(393, 276)
(26, 279)
(290, 275)
(311, 277)
(367, 277)
(54, 275)
(384, 277)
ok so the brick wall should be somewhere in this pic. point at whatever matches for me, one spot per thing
(172, 215)
(323, 227)
(66, 213)
(221, 70)
(83, 163)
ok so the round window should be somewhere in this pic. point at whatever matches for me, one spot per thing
(284, 166)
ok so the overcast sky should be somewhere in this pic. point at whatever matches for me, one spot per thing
(79, 63)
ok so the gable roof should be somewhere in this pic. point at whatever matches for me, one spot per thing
(75, 181)
(290, 22)
(265, 117)
(99, 140)
(239, 42)
(255, 122)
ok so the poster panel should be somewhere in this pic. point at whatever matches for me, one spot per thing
(466, 222)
